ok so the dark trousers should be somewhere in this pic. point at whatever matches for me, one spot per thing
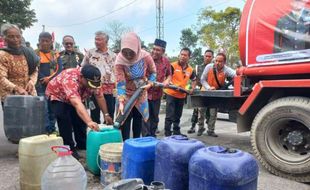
(50, 119)
(149, 127)
(174, 109)
(95, 113)
(68, 119)
(136, 124)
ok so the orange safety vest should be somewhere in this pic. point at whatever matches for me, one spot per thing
(47, 58)
(220, 77)
(180, 77)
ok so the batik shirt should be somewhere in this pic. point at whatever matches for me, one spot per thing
(163, 70)
(127, 78)
(104, 61)
(68, 85)
(14, 72)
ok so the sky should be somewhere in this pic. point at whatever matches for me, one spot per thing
(82, 18)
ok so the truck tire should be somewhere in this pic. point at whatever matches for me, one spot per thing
(280, 137)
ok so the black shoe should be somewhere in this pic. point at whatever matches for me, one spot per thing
(200, 131)
(76, 155)
(191, 130)
(212, 134)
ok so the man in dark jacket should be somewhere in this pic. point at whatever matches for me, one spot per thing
(70, 57)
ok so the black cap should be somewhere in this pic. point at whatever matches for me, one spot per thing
(45, 35)
(160, 43)
(92, 75)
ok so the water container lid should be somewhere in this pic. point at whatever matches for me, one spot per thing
(61, 150)
(179, 137)
(223, 150)
(142, 141)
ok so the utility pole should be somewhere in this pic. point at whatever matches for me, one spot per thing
(160, 19)
(43, 28)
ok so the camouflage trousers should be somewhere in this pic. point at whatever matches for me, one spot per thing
(210, 114)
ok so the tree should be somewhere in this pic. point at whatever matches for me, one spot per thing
(58, 46)
(116, 29)
(189, 39)
(219, 30)
(17, 12)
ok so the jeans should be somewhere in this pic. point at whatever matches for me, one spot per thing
(50, 118)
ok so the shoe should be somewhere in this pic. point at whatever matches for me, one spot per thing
(212, 134)
(200, 131)
(191, 130)
(76, 155)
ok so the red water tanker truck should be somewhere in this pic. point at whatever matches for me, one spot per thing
(272, 88)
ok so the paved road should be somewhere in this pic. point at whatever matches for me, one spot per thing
(9, 180)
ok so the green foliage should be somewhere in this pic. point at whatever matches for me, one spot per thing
(150, 46)
(190, 40)
(58, 46)
(17, 12)
(147, 47)
(173, 59)
(219, 30)
(116, 30)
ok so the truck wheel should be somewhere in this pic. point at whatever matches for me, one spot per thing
(280, 137)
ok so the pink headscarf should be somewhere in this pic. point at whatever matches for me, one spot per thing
(131, 41)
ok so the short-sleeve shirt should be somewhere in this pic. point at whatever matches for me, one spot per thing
(67, 85)
(105, 62)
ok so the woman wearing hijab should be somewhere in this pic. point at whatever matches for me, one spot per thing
(134, 67)
(18, 65)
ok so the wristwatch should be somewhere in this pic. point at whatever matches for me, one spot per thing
(106, 114)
